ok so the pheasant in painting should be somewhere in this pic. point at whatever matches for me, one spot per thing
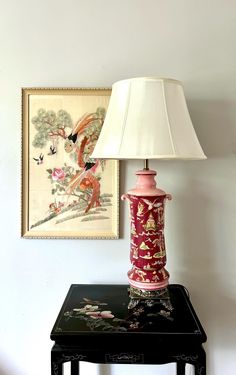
(86, 178)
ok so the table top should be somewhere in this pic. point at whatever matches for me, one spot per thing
(100, 312)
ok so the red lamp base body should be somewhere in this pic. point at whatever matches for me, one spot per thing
(148, 275)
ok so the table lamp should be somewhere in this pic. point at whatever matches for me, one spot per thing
(147, 118)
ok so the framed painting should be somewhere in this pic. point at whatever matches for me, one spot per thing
(65, 192)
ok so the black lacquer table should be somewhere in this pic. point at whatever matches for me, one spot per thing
(95, 325)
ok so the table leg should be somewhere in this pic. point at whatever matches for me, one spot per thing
(74, 367)
(200, 365)
(56, 361)
(180, 368)
(56, 368)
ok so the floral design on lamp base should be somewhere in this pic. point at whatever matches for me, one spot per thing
(148, 277)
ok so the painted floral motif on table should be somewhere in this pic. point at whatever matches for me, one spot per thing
(98, 316)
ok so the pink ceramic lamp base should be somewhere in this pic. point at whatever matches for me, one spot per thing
(148, 276)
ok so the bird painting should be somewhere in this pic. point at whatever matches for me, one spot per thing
(85, 178)
(39, 160)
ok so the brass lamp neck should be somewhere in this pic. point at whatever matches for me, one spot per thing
(146, 164)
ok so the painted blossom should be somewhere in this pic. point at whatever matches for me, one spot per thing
(138, 311)
(100, 314)
(58, 174)
(56, 207)
(134, 325)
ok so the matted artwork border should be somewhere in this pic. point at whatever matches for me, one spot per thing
(66, 193)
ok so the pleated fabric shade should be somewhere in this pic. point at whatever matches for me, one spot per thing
(148, 118)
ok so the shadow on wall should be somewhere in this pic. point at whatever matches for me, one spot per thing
(105, 370)
(204, 224)
(204, 267)
(214, 122)
(4, 372)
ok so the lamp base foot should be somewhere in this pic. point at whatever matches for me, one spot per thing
(150, 298)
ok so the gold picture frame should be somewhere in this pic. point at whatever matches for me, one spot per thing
(66, 193)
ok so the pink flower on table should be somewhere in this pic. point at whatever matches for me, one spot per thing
(58, 174)
(100, 314)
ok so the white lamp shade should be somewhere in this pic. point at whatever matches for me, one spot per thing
(148, 118)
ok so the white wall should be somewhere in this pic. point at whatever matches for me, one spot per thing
(53, 43)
